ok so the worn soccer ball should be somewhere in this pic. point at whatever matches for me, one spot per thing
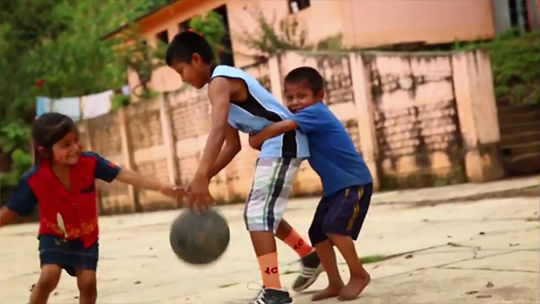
(199, 239)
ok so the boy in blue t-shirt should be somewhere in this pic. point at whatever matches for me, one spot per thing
(347, 183)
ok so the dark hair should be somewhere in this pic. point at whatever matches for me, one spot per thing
(49, 129)
(306, 75)
(185, 44)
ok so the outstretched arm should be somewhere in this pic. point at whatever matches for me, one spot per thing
(272, 130)
(147, 182)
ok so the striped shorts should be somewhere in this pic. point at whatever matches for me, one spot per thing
(270, 190)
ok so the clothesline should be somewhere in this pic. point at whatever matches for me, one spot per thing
(80, 107)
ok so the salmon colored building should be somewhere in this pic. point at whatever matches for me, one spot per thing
(360, 23)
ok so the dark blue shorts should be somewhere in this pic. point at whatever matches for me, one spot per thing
(70, 255)
(341, 213)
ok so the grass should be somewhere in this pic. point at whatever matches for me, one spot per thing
(373, 258)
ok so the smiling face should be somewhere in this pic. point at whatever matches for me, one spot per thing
(298, 96)
(196, 72)
(67, 150)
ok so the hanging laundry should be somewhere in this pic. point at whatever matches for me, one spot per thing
(96, 104)
(69, 106)
(43, 105)
(125, 90)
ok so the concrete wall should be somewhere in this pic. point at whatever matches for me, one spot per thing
(416, 123)
(477, 111)
(417, 119)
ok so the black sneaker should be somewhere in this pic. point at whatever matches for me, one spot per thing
(311, 268)
(272, 296)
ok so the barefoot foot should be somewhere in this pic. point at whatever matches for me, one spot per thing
(355, 286)
(330, 291)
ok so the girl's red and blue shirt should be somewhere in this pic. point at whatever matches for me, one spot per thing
(70, 214)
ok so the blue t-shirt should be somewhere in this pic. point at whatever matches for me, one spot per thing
(333, 155)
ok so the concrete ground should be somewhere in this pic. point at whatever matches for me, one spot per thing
(456, 244)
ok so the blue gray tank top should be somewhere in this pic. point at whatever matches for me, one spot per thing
(260, 110)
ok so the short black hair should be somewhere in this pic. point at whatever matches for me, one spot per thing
(307, 75)
(185, 44)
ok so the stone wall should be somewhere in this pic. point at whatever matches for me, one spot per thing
(416, 123)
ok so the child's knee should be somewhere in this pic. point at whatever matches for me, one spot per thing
(48, 280)
(87, 284)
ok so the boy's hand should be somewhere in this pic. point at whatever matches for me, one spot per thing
(198, 194)
(255, 140)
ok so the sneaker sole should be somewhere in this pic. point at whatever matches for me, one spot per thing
(311, 280)
(288, 302)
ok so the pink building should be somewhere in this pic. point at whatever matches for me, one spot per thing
(360, 23)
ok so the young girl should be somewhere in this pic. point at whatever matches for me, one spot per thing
(62, 184)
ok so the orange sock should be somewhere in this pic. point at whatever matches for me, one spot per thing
(268, 265)
(295, 241)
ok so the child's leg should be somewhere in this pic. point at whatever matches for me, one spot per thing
(289, 236)
(342, 222)
(264, 210)
(86, 281)
(309, 261)
(359, 278)
(50, 274)
(325, 250)
(326, 253)
(265, 249)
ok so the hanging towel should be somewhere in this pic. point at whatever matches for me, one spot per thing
(69, 106)
(43, 105)
(96, 104)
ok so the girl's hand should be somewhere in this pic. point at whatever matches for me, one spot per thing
(173, 191)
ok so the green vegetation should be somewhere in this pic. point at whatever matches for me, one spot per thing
(54, 48)
(372, 258)
(266, 41)
(515, 60)
(212, 27)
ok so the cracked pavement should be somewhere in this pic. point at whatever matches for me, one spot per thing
(474, 248)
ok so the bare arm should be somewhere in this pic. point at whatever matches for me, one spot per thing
(6, 216)
(273, 130)
(147, 182)
(228, 152)
(135, 179)
(219, 95)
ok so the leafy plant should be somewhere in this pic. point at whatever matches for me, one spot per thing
(53, 48)
(12, 135)
(266, 41)
(21, 161)
(514, 61)
(333, 43)
(213, 29)
(118, 101)
(136, 54)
